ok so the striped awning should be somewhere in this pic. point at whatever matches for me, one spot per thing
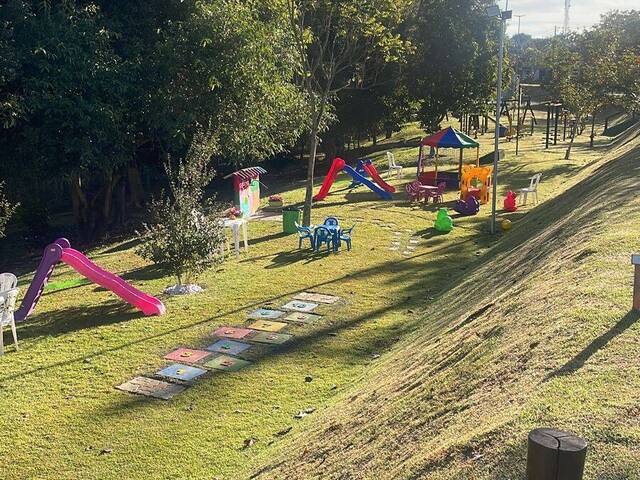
(248, 173)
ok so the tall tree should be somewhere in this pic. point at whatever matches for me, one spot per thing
(622, 29)
(334, 43)
(581, 66)
(454, 64)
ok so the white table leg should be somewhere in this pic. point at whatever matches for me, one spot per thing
(236, 239)
(246, 236)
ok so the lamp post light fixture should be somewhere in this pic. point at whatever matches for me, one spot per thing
(494, 11)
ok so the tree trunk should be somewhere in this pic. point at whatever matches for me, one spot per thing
(122, 203)
(593, 129)
(330, 148)
(78, 202)
(311, 163)
(567, 155)
(388, 133)
(136, 190)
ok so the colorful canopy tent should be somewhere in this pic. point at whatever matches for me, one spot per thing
(447, 138)
(246, 184)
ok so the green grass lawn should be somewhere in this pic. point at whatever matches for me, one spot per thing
(62, 418)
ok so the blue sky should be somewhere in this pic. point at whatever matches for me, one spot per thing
(540, 16)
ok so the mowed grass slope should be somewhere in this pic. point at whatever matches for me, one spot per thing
(62, 418)
(538, 333)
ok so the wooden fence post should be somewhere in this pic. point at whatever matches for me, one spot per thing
(555, 455)
(635, 261)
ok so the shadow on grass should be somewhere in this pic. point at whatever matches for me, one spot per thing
(596, 345)
(267, 238)
(148, 272)
(77, 318)
(134, 242)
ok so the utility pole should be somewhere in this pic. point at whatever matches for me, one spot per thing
(565, 25)
(519, 17)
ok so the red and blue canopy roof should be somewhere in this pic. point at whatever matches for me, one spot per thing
(449, 138)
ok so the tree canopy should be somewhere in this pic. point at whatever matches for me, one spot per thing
(87, 86)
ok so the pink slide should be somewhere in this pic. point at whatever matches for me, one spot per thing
(336, 167)
(146, 303)
(373, 173)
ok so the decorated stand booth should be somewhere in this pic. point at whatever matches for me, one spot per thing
(447, 138)
(246, 185)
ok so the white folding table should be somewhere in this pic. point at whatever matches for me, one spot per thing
(235, 226)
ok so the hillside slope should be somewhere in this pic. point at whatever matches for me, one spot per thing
(541, 335)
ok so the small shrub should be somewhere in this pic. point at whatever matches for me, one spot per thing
(6, 210)
(185, 231)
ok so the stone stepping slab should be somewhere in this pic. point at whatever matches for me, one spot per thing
(227, 363)
(229, 347)
(232, 332)
(270, 338)
(265, 313)
(267, 326)
(150, 387)
(301, 317)
(316, 297)
(187, 355)
(300, 306)
(179, 371)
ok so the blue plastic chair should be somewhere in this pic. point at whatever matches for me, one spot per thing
(305, 232)
(331, 221)
(345, 236)
(323, 235)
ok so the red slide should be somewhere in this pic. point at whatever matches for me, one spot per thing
(373, 173)
(336, 167)
(148, 304)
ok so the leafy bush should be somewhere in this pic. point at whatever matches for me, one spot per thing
(185, 231)
(6, 210)
(35, 217)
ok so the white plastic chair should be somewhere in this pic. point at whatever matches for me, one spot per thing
(531, 189)
(7, 307)
(392, 165)
(7, 281)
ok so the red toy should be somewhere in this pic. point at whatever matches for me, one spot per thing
(510, 201)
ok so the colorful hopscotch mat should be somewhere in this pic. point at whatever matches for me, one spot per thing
(229, 347)
(301, 317)
(150, 387)
(232, 332)
(316, 297)
(182, 372)
(187, 355)
(272, 338)
(300, 306)
(267, 326)
(227, 363)
(265, 313)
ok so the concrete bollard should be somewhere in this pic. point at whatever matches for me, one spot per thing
(555, 455)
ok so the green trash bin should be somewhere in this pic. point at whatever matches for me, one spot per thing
(290, 215)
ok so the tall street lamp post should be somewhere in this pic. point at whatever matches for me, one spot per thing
(495, 12)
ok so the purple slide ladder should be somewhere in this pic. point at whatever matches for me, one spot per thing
(51, 256)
